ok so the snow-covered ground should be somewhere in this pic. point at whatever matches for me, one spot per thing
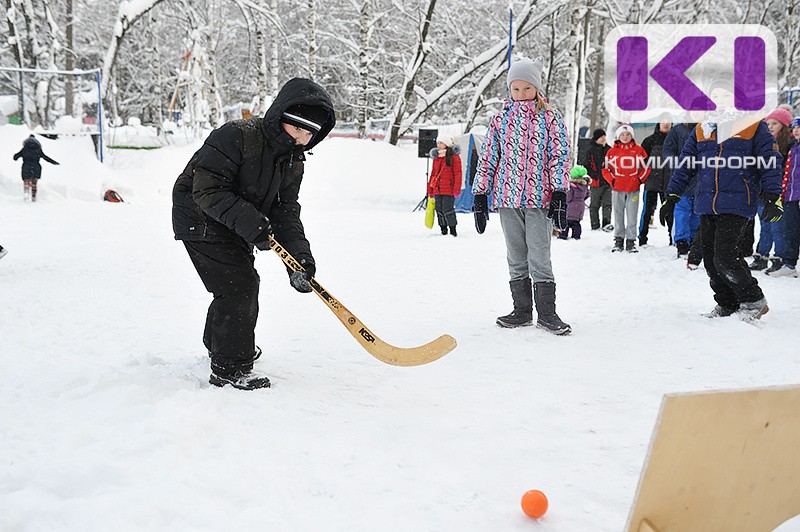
(109, 423)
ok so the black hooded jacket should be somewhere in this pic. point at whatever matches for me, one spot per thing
(247, 176)
(31, 152)
(654, 147)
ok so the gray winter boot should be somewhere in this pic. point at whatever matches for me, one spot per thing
(523, 305)
(545, 297)
(753, 310)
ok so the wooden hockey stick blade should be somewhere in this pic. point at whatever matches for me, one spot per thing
(389, 354)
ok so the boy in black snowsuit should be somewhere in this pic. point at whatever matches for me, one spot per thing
(31, 152)
(594, 160)
(239, 188)
(656, 184)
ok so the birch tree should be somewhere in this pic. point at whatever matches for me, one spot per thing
(129, 12)
(411, 71)
(577, 54)
(312, 39)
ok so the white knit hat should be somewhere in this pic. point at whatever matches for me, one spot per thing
(526, 70)
(623, 128)
(447, 140)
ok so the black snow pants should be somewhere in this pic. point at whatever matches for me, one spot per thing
(445, 210)
(228, 273)
(729, 275)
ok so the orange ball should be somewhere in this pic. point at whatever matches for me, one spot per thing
(534, 503)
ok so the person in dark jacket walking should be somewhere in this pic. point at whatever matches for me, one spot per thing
(594, 160)
(656, 184)
(726, 197)
(238, 189)
(31, 152)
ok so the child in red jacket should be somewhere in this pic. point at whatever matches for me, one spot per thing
(444, 183)
(626, 171)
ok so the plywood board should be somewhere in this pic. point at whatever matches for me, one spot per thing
(722, 462)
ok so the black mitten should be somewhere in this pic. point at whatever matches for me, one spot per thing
(481, 210)
(300, 279)
(558, 210)
(773, 208)
(668, 208)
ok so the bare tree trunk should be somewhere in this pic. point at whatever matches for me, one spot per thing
(14, 37)
(529, 19)
(15, 40)
(412, 69)
(273, 64)
(69, 93)
(312, 39)
(790, 75)
(363, 70)
(576, 84)
(261, 59)
(598, 66)
(123, 24)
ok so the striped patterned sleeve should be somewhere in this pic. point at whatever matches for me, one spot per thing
(489, 159)
(558, 150)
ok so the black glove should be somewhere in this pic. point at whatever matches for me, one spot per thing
(773, 208)
(667, 208)
(558, 210)
(262, 240)
(300, 279)
(481, 210)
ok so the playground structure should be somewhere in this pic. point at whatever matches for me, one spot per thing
(57, 102)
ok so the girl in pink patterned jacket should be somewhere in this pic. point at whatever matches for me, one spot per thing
(524, 166)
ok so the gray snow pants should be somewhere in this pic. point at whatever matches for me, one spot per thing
(626, 214)
(527, 233)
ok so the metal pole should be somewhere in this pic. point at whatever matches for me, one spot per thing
(99, 117)
(23, 108)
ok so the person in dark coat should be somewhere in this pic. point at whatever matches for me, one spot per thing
(726, 198)
(31, 152)
(685, 221)
(656, 185)
(239, 188)
(594, 160)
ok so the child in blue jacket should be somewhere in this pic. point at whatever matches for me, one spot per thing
(728, 188)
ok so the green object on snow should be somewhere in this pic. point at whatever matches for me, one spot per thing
(577, 171)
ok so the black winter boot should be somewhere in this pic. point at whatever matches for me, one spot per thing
(453, 230)
(777, 264)
(683, 247)
(630, 246)
(240, 380)
(617, 244)
(444, 229)
(759, 262)
(545, 297)
(522, 314)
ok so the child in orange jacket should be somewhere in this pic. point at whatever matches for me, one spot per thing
(625, 171)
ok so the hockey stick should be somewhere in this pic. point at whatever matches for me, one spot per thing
(396, 356)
